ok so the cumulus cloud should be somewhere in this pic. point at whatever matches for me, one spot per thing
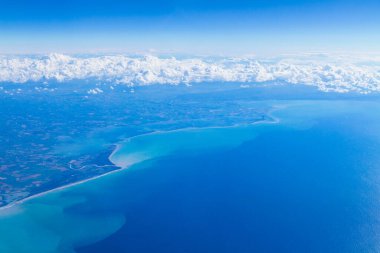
(95, 91)
(327, 73)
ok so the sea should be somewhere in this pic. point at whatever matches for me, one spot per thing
(305, 179)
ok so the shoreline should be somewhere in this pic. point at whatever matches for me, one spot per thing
(272, 120)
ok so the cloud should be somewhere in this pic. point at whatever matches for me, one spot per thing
(94, 91)
(339, 73)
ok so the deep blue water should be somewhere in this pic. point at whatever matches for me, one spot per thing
(285, 191)
(307, 184)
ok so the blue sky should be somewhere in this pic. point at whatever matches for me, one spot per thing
(195, 27)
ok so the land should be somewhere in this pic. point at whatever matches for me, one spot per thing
(56, 134)
(54, 137)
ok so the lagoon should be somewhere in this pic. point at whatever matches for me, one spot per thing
(308, 182)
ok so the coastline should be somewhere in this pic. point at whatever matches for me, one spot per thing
(18, 202)
(272, 120)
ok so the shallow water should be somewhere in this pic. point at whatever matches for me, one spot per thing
(309, 183)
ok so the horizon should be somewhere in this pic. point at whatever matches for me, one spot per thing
(245, 125)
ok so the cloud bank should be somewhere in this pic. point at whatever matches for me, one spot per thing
(340, 74)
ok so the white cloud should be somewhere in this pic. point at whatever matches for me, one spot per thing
(94, 91)
(339, 73)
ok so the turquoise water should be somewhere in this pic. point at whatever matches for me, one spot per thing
(308, 183)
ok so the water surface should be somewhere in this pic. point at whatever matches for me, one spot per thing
(309, 183)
